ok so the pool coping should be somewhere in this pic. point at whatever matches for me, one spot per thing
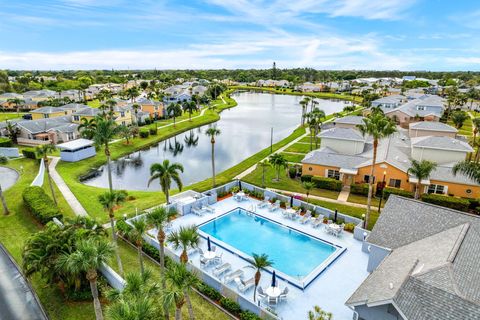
(300, 284)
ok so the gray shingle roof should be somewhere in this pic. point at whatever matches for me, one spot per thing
(43, 125)
(342, 134)
(432, 126)
(46, 110)
(328, 157)
(444, 143)
(350, 120)
(87, 112)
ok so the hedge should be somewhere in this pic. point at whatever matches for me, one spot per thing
(447, 201)
(144, 133)
(5, 142)
(152, 131)
(29, 153)
(306, 178)
(327, 183)
(399, 192)
(40, 205)
(359, 188)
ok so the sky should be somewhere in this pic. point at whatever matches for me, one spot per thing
(437, 35)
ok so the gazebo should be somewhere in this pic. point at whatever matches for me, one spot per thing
(76, 150)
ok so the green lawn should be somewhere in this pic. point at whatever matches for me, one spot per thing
(299, 148)
(10, 115)
(94, 103)
(355, 198)
(307, 140)
(466, 129)
(285, 183)
(297, 158)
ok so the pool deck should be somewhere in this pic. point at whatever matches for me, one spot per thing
(329, 290)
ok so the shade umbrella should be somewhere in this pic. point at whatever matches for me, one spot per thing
(240, 184)
(274, 279)
(291, 201)
(335, 216)
(208, 244)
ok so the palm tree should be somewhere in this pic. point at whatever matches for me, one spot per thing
(185, 238)
(132, 93)
(212, 132)
(318, 314)
(135, 108)
(109, 200)
(421, 170)
(476, 126)
(105, 132)
(278, 161)
(174, 110)
(458, 118)
(174, 294)
(181, 279)
(264, 165)
(87, 128)
(4, 202)
(190, 107)
(258, 263)
(166, 173)
(378, 126)
(110, 105)
(304, 104)
(470, 169)
(90, 255)
(12, 131)
(159, 218)
(135, 234)
(308, 186)
(43, 151)
(17, 102)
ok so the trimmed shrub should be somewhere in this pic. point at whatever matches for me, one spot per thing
(144, 133)
(152, 131)
(209, 292)
(29, 153)
(399, 192)
(349, 227)
(446, 201)
(292, 172)
(230, 305)
(327, 183)
(359, 188)
(5, 142)
(306, 178)
(248, 315)
(3, 160)
(40, 205)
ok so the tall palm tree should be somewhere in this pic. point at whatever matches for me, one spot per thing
(12, 131)
(421, 170)
(87, 128)
(190, 107)
(378, 126)
(258, 263)
(166, 172)
(212, 132)
(264, 165)
(470, 169)
(4, 202)
(308, 186)
(132, 93)
(135, 108)
(185, 238)
(174, 110)
(110, 106)
(105, 132)
(109, 200)
(476, 127)
(135, 234)
(303, 104)
(90, 255)
(180, 278)
(174, 294)
(17, 102)
(159, 218)
(43, 151)
(278, 161)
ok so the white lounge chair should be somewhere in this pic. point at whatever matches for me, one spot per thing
(219, 270)
(218, 258)
(318, 221)
(283, 295)
(297, 215)
(197, 212)
(264, 203)
(207, 208)
(306, 218)
(275, 206)
(244, 286)
(229, 277)
(203, 261)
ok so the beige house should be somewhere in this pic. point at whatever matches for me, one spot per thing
(428, 128)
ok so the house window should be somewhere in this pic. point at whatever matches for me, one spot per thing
(122, 114)
(70, 136)
(421, 108)
(45, 115)
(310, 168)
(394, 183)
(333, 174)
(366, 178)
(436, 188)
(76, 118)
(468, 191)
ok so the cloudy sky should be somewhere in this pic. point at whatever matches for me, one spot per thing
(323, 34)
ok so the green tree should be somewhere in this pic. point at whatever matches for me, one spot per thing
(308, 186)
(182, 280)
(135, 108)
(378, 126)
(459, 118)
(258, 263)
(278, 162)
(135, 234)
(470, 169)
(212, 132)
(109, 200)
(190, 107)
(318, 314)
(125, 132)
(421, 170)
(13, 131)
(304, 103)
(90, 255)
(17, 102)
(105, 132)
(43, 151)
(166, 172)
(264, 165)
(184, 238)
(174, 110)
(87, 128)
(132, 93)
(476, 126)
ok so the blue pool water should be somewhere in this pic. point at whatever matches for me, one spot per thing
(293, 253)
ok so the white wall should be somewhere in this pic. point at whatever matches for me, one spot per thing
(343, 146)
(437, 155)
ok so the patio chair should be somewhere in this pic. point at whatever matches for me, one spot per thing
(287, 206)
(219, 270)
(272, 300)
(283, 295)
(218, 258)
(197, 212)
(264, 203)
(207, 208)
(318, 221)
(261, 294)
(200, 251)
(306, 218)
(297, 215)
(285, 214)
(229, 277)
(275, 206)
(203, 261)
(244, 286)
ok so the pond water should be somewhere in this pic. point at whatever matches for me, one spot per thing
(245, 130)
(9, 177)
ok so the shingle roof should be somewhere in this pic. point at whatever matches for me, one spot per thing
(48, 110)
(43, 125)
(350, 120)
(432, 126)
(444, 143)
(342, 134)
(87, 112)
(328, 157)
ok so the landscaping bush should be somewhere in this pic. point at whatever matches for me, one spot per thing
(306, 178)
(292, 172)
(446, 201)
(3, 160)
(209, 292)
(5, 142)
(230, 305)
(153, 131)
(29, 153)
(40, 205)
(144, 133)
(474, 203)
(359, 188)
(388, 191)
(349, 227)
(327, 183)
(248, 315)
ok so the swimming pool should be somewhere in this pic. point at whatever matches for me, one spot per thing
(296, 255)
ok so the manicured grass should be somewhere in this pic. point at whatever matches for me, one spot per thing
(94, 103)
(297, 158)
(299, 148)
(10, 115)
(285, 183)
(356, 198)
(307, 140)
(466, 129)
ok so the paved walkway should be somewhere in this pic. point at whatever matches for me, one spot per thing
(343, 195)
(76, 206)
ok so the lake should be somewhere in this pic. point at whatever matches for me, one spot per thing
(245, 130)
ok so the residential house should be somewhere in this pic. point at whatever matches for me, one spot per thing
(309, 87)
(348, 122)
(427, 108)
(177, 98)
(47, 130)
(346, 155)
(428, 128)
(389, 102)
(155, 109)
(49, 112)
(424, 264)
(87, 113)
(199, 90)
(40, 95)
(74, 95)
